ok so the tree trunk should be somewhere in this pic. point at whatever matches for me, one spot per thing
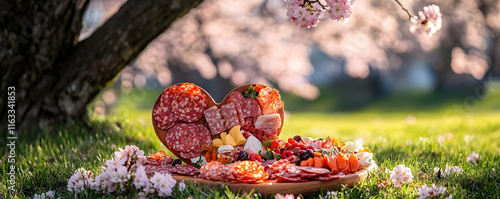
(54, 75)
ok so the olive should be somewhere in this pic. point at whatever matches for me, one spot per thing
(176, 162)
(297, 138)
(243, 155)
(306, 154)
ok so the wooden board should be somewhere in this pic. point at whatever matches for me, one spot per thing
(271, 187)
(161, 134)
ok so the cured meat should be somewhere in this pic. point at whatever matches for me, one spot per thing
(186, 139)
(151, 169)
(214, 120)
(189, 103)
(164, 116)
(237, 99)
(247, 125)
(272, 121)
(269, 100)
(250, 108)
(265, 134)
(247, 172)
(183, 137)
(294, 173)
(215, 171)
(230, 115)
(169, 94)
(159, 158)
(185, 170)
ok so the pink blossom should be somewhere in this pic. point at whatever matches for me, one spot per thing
(339, 10)
(401, 174)
(79, 180)
(473, 157)
(428, 21)
(304, 14)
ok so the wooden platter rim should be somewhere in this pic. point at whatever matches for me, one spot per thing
(271, 187)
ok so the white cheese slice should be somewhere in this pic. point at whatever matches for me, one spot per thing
(253, 145)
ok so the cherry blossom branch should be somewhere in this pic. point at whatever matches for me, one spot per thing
(409, 15)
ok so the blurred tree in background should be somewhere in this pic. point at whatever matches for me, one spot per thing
(55, 72)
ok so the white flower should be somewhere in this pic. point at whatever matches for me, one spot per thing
(140, 178)
(79, 180)
(431, 192)
(48, 194)
(181, 186)
(365, 159)
(473, 157)
(163, 183)
(287, 196)
(354, 146)
(401, 174)
(448, 170)
(331, 195)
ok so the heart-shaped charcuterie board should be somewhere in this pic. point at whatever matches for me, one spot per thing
(164, 131)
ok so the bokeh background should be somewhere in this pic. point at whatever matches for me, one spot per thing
(371, 64)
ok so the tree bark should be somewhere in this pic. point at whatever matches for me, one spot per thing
(54, 75)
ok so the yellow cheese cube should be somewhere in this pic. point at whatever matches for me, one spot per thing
(237, 135)
(230, 141)
(223, 137)
(217, 142)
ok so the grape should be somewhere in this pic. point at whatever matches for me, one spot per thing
(243, 156)
(176, 162)
(306, 154)
(297, 138)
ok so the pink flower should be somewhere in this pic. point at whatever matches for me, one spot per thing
(401, 174)
(429, 21)
(163, 183)
(339, 10)
(79, 180)
(473, 157)
(304, 14)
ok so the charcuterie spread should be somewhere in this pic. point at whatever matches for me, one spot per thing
(238, 140)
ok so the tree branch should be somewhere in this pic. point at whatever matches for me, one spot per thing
(100, 57)
(409, 15)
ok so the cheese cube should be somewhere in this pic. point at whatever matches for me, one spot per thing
(237, 135)
(217, 142)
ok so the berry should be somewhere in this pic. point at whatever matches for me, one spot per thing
(288, 145)
(243, 156)
(291, 141)
(310, 147)
(176, 162)
(303, 147)
(274, 145)
(255, 157)
(297, 138)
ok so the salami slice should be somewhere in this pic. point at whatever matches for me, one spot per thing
(215, 171)
(314, 170)
(230, 115)
(189, 155)
(247, 172)
(237, 99)
(185, 170)
(164, 116)
(214, 120)
(281, 178)
(250, 108)
(204, 135)
(183, 137)
(189, 103)
(152, 169)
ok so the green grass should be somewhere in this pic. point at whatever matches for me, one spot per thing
(47, 159)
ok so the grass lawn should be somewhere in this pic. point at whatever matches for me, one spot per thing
(47, 159)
